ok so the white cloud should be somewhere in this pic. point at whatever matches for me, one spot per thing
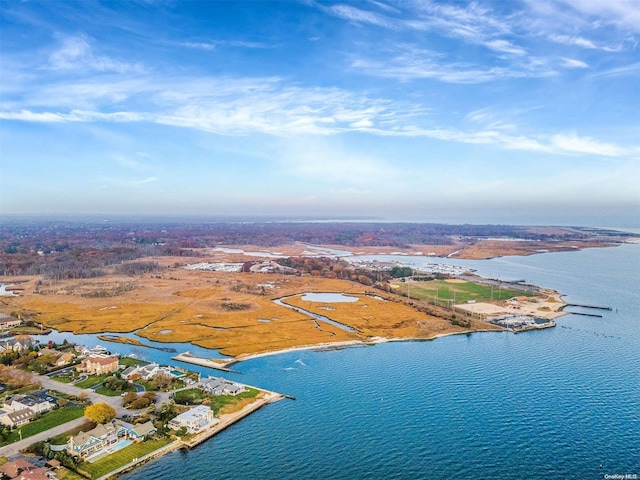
(571, 142)
(573, 63)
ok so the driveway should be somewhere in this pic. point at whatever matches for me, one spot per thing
(115, 402)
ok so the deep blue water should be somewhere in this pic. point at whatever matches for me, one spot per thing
(551, 404)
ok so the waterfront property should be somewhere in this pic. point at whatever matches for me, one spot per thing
(7, 322)
(104, 438)
(194, 420)
(147, 372)
(220, 386)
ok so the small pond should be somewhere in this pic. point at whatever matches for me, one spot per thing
(328, 298)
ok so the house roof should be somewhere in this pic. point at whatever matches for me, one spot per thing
(128, 371)
(21, 415)
(194, 414)
(11, 469)
(143, 429)
(102, 360)
(29, 400)
(99, 431)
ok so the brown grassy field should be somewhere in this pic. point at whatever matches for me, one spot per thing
(231, 312)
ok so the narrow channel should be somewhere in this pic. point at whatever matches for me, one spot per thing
(278, 301)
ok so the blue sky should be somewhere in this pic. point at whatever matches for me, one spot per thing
(506, 111)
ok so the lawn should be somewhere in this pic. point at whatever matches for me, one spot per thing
(62, 379)
(221, 401)
(191, 396)
(113, 393)
(91, 381)
(460, 292)
(131, 362)
(48, 420)
(122, 457)
(195, 396)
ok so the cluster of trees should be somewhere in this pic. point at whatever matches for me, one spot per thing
(401, 272)
(116, 384)
(133, 401)
(137, 268)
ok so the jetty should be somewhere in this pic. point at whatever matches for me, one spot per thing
(586, 305)
(220, 364)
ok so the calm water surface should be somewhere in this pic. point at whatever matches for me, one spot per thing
(551, 404)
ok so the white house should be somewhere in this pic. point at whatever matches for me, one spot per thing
(37, 404)
(194, 420)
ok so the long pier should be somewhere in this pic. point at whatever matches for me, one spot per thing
(585, 305)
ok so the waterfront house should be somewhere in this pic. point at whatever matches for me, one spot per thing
(88, 443)
(37, 404)
(7, 322)
(194, 420)
(99, 364)
(145, 372)
(17, 417)
(142, 431)
(94, 441)
(220, 386)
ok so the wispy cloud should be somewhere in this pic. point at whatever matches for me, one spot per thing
(76, 53)
(145, 181)
(573, 63)
(212, 45)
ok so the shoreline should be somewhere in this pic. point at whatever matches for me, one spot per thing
(224, 421)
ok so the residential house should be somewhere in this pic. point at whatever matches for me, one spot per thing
(21, 343)
(48, 351)
(145, 372)
(19, 468)
(7, 322)
(37, 404)
(99, 364)
(220, 386)
(194, 420)
(17, 417)
(89, 443)
(142, 430)
(65, 359)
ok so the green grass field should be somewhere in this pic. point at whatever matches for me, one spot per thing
(47, 421)
(131, 362)
(217, 402)
(460, 292)
(122, 457)
(62, 379)
(92, 381)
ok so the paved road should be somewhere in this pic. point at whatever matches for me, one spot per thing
(15, 448)
(49, 384)
(115, 402)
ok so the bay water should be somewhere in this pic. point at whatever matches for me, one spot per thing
(561, 403)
